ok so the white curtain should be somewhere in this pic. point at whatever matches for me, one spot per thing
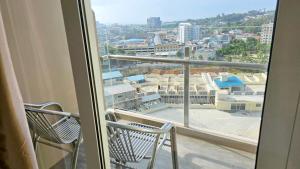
(16, 149)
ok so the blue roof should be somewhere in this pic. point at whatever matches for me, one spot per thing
(111, 75)
(136, 78)
(232, 81)
(135, 40)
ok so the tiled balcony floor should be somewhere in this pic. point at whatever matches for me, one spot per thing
(192, 154)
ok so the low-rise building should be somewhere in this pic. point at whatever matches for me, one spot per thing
(234, 102)
(250, 99)
(170, 47)
(112, 78)
(122, 96)
(171, 89)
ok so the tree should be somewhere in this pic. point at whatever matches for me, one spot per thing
(245, 51)
(112, 50)
(179, 54)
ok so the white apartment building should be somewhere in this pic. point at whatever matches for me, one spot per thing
(185, 32)
(188, 32)
(266, 33)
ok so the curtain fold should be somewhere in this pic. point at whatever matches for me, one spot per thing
(16, 149)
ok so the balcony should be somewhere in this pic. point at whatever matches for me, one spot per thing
(196, 148)
(208, 136)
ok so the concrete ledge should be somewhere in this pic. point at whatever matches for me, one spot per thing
(214, 137)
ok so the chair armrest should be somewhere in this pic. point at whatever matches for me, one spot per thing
(167, 127)
(53, 112)
(76, 117)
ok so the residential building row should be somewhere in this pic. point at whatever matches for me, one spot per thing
(225, 91)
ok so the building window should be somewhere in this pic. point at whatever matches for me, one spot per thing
(238, 106)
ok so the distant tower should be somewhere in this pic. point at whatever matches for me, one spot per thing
(154, 23)
(185, 32)
(196, 35)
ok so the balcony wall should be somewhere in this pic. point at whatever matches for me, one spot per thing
(38, 45)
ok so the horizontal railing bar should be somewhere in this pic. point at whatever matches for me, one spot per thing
(252, 66)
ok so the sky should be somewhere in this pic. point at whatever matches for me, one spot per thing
(137, 11)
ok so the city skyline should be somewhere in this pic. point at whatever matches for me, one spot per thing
(121, 12)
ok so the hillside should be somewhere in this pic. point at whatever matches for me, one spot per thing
(229, 21)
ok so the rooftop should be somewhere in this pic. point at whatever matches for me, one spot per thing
(117, 89)
(136, 78)
(232, 81)
(134, 41)
(239, 124)
(247, 98)
(111, 75)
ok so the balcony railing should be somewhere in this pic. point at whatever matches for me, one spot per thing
(186, 62)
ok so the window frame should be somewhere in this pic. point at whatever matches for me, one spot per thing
(78, 16)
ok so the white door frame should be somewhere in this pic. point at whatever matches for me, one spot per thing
(87, 75)
(282, 94)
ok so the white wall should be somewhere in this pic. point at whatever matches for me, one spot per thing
(37, 41)
(38, 44)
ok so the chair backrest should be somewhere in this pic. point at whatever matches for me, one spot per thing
(38, 122)
(125, 144)
(120, 145)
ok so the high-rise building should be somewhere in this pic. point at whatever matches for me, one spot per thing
(188, 32)
(154, 23)
(157, 39)
(185, 32)
(196, 32)
(266, 33)
(102, 37)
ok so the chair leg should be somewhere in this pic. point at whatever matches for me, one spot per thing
(75, 152)
(119, 164)
(75, 155)
(153, 157)
(35, 141)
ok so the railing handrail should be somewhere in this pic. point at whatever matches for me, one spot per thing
(240, 65)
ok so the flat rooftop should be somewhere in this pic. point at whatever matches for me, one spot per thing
(136, 78)
(117, 89)
(239, 124)
(247, 98)
(111, 75)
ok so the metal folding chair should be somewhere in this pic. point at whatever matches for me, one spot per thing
(133, 142)
(48, 121)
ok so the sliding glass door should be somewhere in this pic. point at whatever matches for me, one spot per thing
(202, 65)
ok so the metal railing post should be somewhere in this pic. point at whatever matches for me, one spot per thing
(174, 148)
(186, 96)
